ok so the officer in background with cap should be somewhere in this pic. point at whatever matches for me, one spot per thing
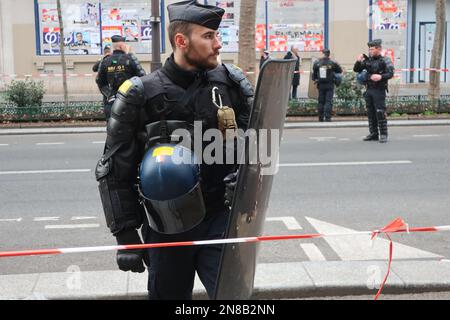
(377, 70)
(115, 69)
(324, 74)
(193, 86)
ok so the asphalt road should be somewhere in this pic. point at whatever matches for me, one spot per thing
(334, 182)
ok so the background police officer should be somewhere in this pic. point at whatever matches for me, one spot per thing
(324, 72)
(293, 54)
(106, 52)
(379, 70)
(146, 108)
(115, 69)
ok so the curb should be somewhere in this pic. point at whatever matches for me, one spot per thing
(272, 281)
(288, 125)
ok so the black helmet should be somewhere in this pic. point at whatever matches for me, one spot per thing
(169, 188)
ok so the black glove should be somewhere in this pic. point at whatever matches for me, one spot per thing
(230, 185)
(131, 260)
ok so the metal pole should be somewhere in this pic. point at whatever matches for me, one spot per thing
(156, 37)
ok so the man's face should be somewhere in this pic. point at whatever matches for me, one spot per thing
(79, 37)
(375, 51)
(203, 47)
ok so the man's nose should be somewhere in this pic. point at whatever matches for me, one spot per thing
(218, 43)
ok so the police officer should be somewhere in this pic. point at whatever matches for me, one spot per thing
(377, 70)
(324, 75)
(293, 54)
(106, 52)
(190, 87)
(115, 69)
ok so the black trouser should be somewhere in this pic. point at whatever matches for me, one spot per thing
(294, 92)
(172, 270)
(376, 110)
(325, 106)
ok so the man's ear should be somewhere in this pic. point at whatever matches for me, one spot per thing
(181, 41)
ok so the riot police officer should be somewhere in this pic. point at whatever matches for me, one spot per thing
(115, 69)
(189, 88)
(376, 70)
(324, 75)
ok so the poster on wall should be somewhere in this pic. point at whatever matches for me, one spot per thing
(389, 23)
(90, 24)
(301, 23)
(81, 27)
(130, 20)
(229, 28)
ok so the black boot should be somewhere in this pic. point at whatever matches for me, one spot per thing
(383, 131)
(371, 137)
(382, 124)
(373, 130)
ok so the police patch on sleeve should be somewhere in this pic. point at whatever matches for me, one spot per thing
(125, 87)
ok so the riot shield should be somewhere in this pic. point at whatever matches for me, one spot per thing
(254, 182)
(313, 92)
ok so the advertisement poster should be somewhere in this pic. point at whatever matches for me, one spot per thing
(389, 18)
(81, 27)
(130, 20)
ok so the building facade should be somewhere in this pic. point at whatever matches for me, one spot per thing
(29, 34)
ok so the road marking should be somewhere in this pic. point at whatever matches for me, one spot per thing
(426, 135)
(98, 142)
(49, 143)
(72, 226)
(360, 247)
(4, 144)
(46, 219)
(312, 252)
(290, 222)
(361, 163)
(11, 220)
(83, 218)
(321, 139)
(344, 139)
(45, 171)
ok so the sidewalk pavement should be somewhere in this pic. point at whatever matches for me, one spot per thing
(272, 281)
(288, 125)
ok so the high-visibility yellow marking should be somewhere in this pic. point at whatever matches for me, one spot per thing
(163, 151)
(125, 87)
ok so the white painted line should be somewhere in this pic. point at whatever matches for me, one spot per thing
(290, 222)
(11, 220)
(344, 139)
(321, 139)
(426, 135)
(360, 247)
(312, 252)
(98, 142)
(72, 226)
(4, 144)
(45, 171)
(360, 163)
(46, 219)
(49, 143)
(83, 218)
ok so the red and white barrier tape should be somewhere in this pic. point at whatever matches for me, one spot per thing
(74, 75)
(396, 226)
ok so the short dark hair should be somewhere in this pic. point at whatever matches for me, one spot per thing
(182, 27)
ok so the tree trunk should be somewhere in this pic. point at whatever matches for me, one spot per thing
(61, 49)
(247, 55)
(436, 55)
